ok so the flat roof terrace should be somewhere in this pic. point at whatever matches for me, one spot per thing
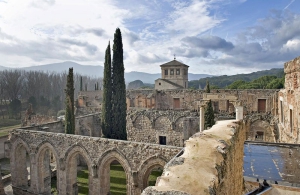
(273, 162)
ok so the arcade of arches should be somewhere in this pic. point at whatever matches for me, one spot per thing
(61, 151)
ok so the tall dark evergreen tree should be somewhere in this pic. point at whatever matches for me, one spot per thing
(80, 83)
(118, 90)
(207, 88)
(107, 94)
(69, 116)
(209, 118)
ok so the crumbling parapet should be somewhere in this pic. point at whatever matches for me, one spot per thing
(212, 163)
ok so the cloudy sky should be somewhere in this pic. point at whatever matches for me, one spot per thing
(211, 36)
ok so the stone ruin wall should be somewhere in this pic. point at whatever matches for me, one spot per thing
(212, 164)
(189, 99)
(36, 120)
(137, 159)
(88, 125)
(262, 123)
(289, 103)
(148, 125)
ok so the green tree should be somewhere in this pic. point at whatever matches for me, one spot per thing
(209, 118)
(236, 84)
(207, 88)
(80, 83)
(33, 102)
(277, 83)
(15, 107)
(106, 121)
(69, 116)
(118, 90)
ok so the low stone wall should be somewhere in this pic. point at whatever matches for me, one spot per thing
(212, 163)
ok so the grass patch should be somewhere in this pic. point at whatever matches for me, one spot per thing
(6, 122)
(117, 181)
(153, 176)
(5, 130)
(83, 181)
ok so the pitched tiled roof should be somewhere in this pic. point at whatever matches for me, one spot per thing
(173, 63)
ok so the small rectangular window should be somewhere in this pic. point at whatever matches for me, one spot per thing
(172, 72)
(162, 140)
(177, 71)
(166, 72)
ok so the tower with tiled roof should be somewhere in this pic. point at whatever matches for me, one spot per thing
(174, 75)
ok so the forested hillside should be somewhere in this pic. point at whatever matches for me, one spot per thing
(224, 81)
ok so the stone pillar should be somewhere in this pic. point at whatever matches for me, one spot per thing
(201, 118)
(239, 112)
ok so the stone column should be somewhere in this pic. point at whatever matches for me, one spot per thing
(201, 118)
(239, 112)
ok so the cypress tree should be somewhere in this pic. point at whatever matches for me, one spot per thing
(80, 83)
(118, 90)
(69, 116)
(207, 88)
(209, 118)
(107, 94)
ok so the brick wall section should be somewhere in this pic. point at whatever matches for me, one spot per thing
(212, 163)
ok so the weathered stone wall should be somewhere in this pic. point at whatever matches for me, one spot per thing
(37, 120)
(89, 102)
(88, 125)
(262, 127)
(289, 103)
(190, 99)
(148, 125)
(136, 158)
(212, 163)
(55, 127)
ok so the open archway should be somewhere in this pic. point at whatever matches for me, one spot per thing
(47, 169)
(21, 171)
(150, 170)
(78, 177)
(111, 162)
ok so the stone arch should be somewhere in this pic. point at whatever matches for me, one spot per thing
(19, 172)
(146, 167)
(142, 122)
(104, 167)
(43, 166)
(71, 168)
(162, 123)
(179, 124)
(261, 130)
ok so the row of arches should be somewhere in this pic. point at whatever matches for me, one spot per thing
(32, 170)
(142, 122)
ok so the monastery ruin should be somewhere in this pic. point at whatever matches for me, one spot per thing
(165, 129)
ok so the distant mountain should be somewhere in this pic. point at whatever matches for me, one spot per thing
(3, 68)
(97, 71)
(224, 80)
(89, 70)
